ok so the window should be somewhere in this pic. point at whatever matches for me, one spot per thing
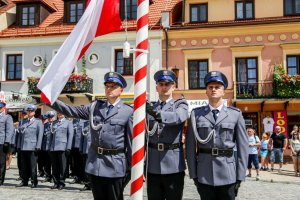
(246, 74)
(131, 6)
(291, 7)
(293, 66)
(74, 11)
(198, 13)
(14, 67)
(28, 15)
(244, 9)
(123, 66)
(197, 71)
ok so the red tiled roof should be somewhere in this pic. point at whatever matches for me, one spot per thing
(5, 8)
(53, 24)
(47, 3)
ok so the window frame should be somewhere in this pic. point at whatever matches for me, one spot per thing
(297, 64)
(36, 14)
(293, 8)
(128, 73)
(246, 58)
(198, 10)
(67, 10)
(244, 9)
(15, 67)
(198, 72)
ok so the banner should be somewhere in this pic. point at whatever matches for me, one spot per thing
(280, 119)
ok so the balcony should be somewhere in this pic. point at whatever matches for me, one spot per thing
(76, 84)
(258, 90)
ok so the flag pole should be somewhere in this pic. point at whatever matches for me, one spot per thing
(140, 84)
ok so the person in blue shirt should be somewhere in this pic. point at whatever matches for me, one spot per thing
(254, 143)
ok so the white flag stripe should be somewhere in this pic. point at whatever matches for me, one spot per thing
(62, 65)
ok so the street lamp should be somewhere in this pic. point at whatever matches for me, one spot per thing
(165, 23)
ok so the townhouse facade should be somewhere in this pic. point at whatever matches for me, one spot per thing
(255, 43)
(31, 33)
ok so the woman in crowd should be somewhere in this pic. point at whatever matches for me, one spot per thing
(295, 147)
(264, 152)
(295, 130)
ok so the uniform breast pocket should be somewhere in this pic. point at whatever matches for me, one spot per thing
(203, 129)
(227, 131)
(117, 125)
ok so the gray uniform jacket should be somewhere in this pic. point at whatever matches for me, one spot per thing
(48, 128)
(62, 136)
(77, 134)
(229, 132)
(6, 128)
(115, 133)
(14, 137)
(30, 135)
(86, 138)
(173, 115)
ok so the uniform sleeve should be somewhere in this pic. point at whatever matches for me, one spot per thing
(191, 156)
(128, 141)
(70, 135)
(81, 112)
(178, 116)
(40, 132)
(9, 129)
(242, 148)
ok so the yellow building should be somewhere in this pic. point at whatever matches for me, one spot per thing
(244, 39)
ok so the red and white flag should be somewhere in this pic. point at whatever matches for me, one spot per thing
(100, 17)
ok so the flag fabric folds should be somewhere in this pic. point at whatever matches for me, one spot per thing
(100, 17)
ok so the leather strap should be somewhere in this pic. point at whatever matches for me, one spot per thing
(104, 151)
(163, 146)
(216, 151)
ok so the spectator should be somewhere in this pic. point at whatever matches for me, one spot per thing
(278, 144)
(254, 144)
(264, 152)
(295, 130)
(295, 147)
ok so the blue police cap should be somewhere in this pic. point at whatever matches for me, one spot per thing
(50, 114)
(216, 76)
(165, 76)
(24, 110)
(114, 77)
(43, 117)
(31, 107)
(2, 104)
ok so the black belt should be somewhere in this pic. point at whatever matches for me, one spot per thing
(163, 146)
(216, 151)
(104, 151)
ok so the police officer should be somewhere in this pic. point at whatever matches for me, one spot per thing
(214, 131)
(41, 158)
(21, 127)
(6, 132)
(85, 144)
(76, 157)
(60, 147)
(165, 161)
(109, 156)
(30, 141)
(48, 130)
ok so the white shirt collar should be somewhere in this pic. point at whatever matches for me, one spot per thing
(218, 108)
(167, 101)
(114, 104)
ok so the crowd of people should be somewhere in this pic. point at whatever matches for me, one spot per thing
(52, 147)
(271, 148)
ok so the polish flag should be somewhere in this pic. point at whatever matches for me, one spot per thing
(100, 17)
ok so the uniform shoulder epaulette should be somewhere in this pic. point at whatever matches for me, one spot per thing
(100, 101)
(198, 108)
(127, 104)
(234, 108)
(180, 101)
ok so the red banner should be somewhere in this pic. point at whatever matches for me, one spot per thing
(280, 119)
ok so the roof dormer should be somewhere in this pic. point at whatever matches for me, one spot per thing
(33, 12)
(73, 10)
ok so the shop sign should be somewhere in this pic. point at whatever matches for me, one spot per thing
(18, 102)
(199, 103)
(280, 119)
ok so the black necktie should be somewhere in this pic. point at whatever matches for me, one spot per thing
(162, 104)
(110, 107)
(215, 113)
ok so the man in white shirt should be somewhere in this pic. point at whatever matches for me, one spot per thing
(254, 143)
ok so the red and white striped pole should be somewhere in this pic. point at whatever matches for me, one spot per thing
(138, 138)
